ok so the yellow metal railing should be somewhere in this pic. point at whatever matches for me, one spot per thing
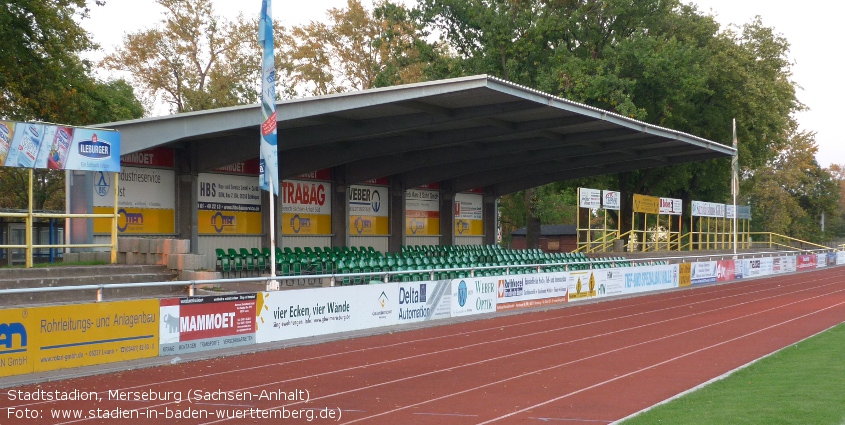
(772, 240)
(30, 216)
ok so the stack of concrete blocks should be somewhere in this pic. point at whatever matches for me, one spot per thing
(173, 253)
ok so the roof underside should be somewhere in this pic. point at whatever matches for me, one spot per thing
(464, 133)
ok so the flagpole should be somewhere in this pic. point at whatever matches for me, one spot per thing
(735, 184)
(272, 235)
(269, 140)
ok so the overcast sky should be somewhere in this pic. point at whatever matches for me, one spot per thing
(811, 27)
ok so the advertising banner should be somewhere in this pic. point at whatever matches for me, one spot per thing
(738, 267)
(777, 265)
(589, 198)
(646, 204)
(743, 212)
(422, 212)
(582, 285)
(474, 296)
(531, 290)
(650, 278)
(368, 214)
(205, 323)
(805, 262)
(302, 313)
(840, 258)
(708, 209)
(468, 217)
(423, 301)
(306, 207)
(788, 264)
(610, 282)
(146, 201)
(704, 272)
(725, 270)
(16, 326)
(821, 260)
(228, 205)
(831, 258)
(730, 211)
(611, 200)
(671, 206)
(40, 339)
(684, 274)
(47, 146)
(155, 157)
(756, 267)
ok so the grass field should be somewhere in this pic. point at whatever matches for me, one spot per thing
(801, 384)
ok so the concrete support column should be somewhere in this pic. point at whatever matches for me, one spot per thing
(340, 208)
(397, 215)
(447, 214)
(81, 196)
(490, 214)
(187, 196)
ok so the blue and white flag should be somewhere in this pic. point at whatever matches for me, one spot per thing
(269, 151)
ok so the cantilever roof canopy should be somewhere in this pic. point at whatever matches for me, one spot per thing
(466, 133)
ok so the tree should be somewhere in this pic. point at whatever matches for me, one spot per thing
(655, 60)
(197, 60)
(43, 78)
(358, 49)
(790, 193)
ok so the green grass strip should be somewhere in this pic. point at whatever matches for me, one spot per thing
(801, 384)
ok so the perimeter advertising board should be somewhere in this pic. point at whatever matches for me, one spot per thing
(531, 290)
(805, 262)
(368, 214)
(788, 264)
(474, 296)
(146, 201)
(58, 337)
(47, 146)
(422, 212)
(306, 207)
(650, 278)
(756, 267)
(725, 270)
(468, 217)
(821, 260)
(423, 301)
(610, 282)
(708, 209)
(840, 258)
(582, 285)
(228, 205)
(704, 272)
(206, 323)
(286, 315)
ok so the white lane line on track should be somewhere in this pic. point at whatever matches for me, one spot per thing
(570, 420)
(702, 291)
(502, 340)
(657, 364)
(445, 414)
(561, 365)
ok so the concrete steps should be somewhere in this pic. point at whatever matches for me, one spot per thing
(85, 275)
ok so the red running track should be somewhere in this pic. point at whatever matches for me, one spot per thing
(586, 364)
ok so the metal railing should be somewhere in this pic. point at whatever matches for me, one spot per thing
(334, 278)
(30, 216)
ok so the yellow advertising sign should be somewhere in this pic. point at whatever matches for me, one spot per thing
(137, 221)
(584, 287)
(467, 227)
(15, 330)
(210, 222)
(646, 204)
(58, 337)
(685, 274)
(422, 226)
(363, 225)
(306, 224)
